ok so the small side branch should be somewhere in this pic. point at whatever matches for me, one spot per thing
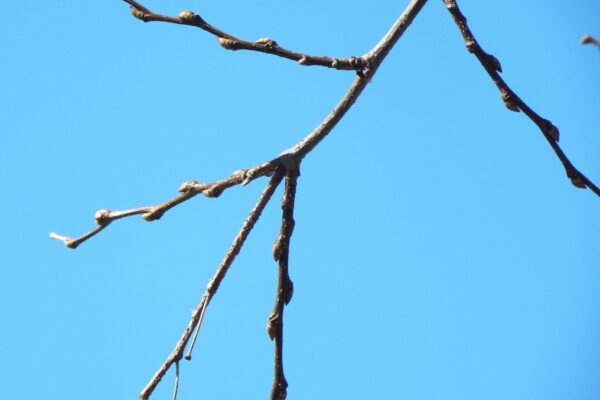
(230, 42)
(285, 287)
(188, 190)
(514, 102)
(214, 283)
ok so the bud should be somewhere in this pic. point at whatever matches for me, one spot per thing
(271, 327)
(227, 43)
(495, 63)
(508, 102)
(290, 293)
(277, 249)
(553, 131)
(578, 182)
(102, 217)
(267, 42)
(187, 16)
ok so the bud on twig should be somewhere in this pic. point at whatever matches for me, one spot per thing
(267, 42)
(189, 17)
(553, 131)
(102, 217)
(227, 43)
(272, 326)
(495, 62)
(577, 181)
(139, 14)
(508, 102)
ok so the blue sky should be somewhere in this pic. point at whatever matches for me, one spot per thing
(439, 250)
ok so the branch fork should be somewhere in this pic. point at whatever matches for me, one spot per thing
(287, 166)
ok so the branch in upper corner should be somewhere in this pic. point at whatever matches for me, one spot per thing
(587, 39)
(188, 190)
(263, 45)
(514, 102)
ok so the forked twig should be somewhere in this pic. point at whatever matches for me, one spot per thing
(214, 283)
(514, 102)
(288, 165)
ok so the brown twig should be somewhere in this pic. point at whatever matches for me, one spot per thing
(230, 42)
(587, 39)
(188, 190)
(514, 102)
(214, 283)
(285, 287)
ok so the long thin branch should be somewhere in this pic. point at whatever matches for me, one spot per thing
(514, 102)
(214, 283)
(231, 42)
(188, 190)
(285, 287)
(373, 59)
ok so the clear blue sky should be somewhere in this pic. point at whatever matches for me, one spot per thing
(439, 251)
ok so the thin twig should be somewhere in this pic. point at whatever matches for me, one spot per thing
(514, 102)
(175, 390)
(230, 42)
(188, 190)
(188, 356)
(285, 287)
(214, 283)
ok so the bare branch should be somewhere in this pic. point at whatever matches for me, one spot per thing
(514, 102)
(285, 287)
(373, 59)
(214, 283)
(230, 42)
(188, 190)
(587, 39)
(288, 164)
